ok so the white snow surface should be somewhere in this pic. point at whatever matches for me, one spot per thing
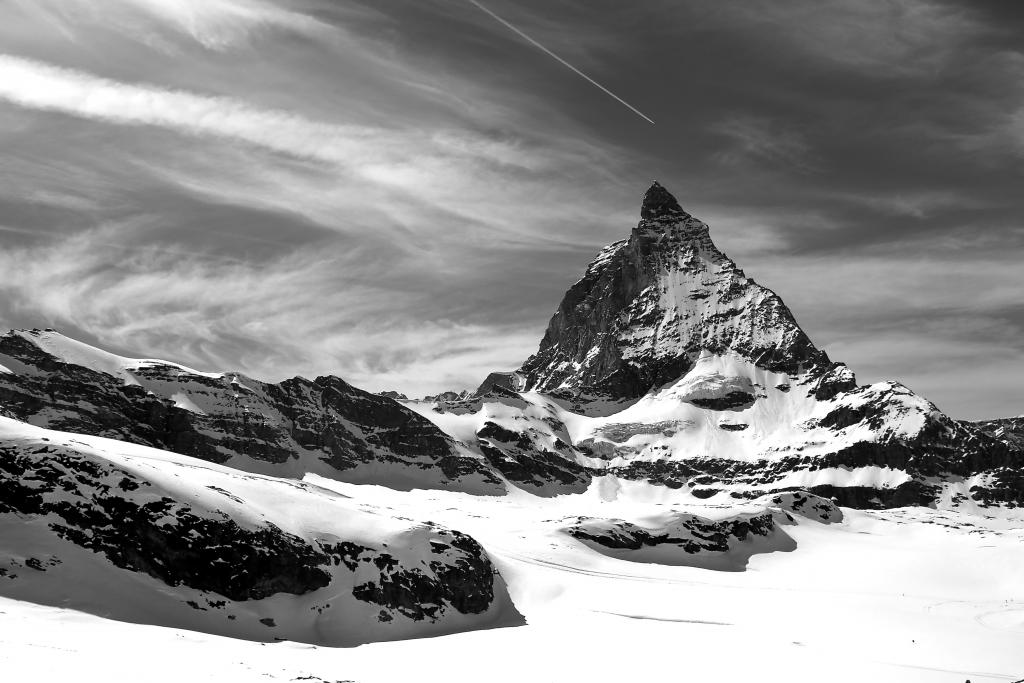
(666, 425)
(905, 595)
(330, 615)
(79, 353)
(902, 596)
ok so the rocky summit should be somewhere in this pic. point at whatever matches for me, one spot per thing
(649, 305)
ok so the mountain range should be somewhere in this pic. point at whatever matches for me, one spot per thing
(217, 502)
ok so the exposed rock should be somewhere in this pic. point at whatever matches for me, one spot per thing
(692, 533)
(808, 505)
(686, 539)
(508, 381)
(648, 305)
(527, 463)
(298, 425)
(216, 537)
(463, 578)
(1009, 430)
(393, 395)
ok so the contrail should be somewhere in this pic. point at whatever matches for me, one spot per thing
(560, 60)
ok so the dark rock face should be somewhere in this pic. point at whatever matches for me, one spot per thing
(659, 204)
(99, 507)
(683, 539)
(448, 396)
(1009, 430)
(138, 526)
(702, 535)
(463, 578)
(521, 460)
(497, 381)
(731, 401)
(647, 306)
(944, 448)
(910, 493)
(808, 505)
(393, 395)
(325, 419)
(1005, 486)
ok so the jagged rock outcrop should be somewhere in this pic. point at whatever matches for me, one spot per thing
(682, 538)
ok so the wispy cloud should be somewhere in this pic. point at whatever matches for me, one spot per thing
(888, 37)
(755, 138)
(448, 173)
(33, 84)
(946, 324)
(213, 24)
(295, 314)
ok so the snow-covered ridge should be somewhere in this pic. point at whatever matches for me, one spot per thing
(75, 352)
(140, 534)
(286, 429)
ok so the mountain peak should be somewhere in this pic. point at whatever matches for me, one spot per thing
(659, 203)
(648, 307)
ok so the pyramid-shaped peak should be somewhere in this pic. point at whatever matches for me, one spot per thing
(659, 203)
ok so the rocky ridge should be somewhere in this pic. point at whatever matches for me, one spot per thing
(291, 428)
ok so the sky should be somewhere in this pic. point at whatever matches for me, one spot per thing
(400, 191)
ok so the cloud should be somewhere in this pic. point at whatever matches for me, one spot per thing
(33, 84)
(447, 173)
(757, 138)
(947, 322)
(884, 37)
(298, 313)
(223, 232)
(214, 24)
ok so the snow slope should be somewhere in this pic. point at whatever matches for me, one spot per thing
(78, 353)
(895, 596)
(137, 534)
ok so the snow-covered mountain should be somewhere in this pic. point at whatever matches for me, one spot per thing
(666, 363)
(693, 422)
(649, 305)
